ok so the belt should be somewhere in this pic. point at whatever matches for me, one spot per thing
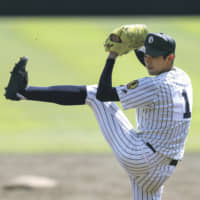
(172, 162)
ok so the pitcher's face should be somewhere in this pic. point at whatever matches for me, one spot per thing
(157, 65)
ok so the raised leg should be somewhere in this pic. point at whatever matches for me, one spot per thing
(128, 147)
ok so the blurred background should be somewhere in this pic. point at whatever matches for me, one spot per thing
(69, 50)
(64, 43)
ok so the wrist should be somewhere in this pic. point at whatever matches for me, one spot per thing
(112, 55)
(20, 96)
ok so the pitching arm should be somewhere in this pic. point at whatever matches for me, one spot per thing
(105, 90)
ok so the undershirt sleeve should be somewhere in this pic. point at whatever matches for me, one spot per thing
(105, 91)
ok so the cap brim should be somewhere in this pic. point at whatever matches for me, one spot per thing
(154, 52)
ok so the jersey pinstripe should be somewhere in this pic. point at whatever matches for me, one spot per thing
(163, 109)
(147, 170)
(141, 95)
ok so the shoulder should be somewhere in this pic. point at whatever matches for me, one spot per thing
(140, 85)
(182, 73)
(174, 77)
(179, 77)
(147, 82)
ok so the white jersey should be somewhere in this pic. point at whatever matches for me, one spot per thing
(163, 110)
(148, 170)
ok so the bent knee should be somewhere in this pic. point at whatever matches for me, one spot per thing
(91, 91)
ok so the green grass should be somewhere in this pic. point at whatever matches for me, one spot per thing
(69, 50)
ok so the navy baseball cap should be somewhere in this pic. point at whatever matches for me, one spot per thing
(159, 44)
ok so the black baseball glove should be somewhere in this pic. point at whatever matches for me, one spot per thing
(18, 80)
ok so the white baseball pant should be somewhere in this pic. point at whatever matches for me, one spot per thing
(147, 170)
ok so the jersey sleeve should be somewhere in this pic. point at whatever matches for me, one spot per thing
(138, 93)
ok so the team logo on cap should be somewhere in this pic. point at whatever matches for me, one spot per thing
(151, 39)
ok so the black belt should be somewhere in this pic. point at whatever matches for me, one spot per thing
(172, 162)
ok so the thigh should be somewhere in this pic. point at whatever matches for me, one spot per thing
(119, 133)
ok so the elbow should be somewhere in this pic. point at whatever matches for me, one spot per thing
(100, 96)
(107, 94)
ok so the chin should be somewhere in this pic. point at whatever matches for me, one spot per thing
(152, 73)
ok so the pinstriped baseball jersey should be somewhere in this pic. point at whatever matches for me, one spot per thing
(147, 170)
(163, 109)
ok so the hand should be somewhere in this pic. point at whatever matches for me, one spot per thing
(112, 55)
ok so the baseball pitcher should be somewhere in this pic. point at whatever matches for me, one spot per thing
(163, 104)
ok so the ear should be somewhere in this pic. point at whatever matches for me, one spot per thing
(171, 57)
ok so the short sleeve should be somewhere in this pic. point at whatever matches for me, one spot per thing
(138, 93)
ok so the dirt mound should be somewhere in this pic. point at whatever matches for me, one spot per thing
(90, 177)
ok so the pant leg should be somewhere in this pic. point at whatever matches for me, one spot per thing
(150, 186)
(119, 133)
(140, 194)
(148, 170)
